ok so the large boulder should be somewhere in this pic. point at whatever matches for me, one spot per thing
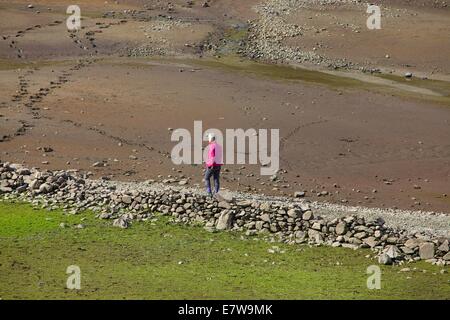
(426, 251)
(225, 220)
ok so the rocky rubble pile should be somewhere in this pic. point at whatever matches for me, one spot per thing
(290, 222)
(267, 33)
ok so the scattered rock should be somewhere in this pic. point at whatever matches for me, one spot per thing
(105, 215)
(99, 164)
(299, 194)
(121, 223)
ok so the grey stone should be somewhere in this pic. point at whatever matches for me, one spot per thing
(225, 196)
(413, 243)
(294, 213)
(224, 205)
(317, 226)
(265, 206)
(45, 188)
(179, 210)
(384, 259)
(392, 251)
(444, 246)
(105, 215)
(426, 250)
(244, 203)
(187, 206)
(407, 250)
(341, 228)
(392, 240)
(259, 225)
(225, 220)
(265, 217)
(371, 242)
(23, 172)
(35, 184)
(300, 235)
(315, 235)
(121, 223)
(126, 199)
(360, 235)
(98, 164)
(336, 244)
(304, 207)
(5, 189)
(308, 215)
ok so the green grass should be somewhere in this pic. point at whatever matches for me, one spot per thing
(233, 63)
(143, 263)
(441, 87)
(278, 72)
(11, 64)
(236, 34)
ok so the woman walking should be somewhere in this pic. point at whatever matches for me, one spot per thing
(213, 165)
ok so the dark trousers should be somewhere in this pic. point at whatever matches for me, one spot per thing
(215, 173)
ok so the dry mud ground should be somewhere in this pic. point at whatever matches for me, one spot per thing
(372, 140)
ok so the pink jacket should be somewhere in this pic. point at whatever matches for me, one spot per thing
(214, 155)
